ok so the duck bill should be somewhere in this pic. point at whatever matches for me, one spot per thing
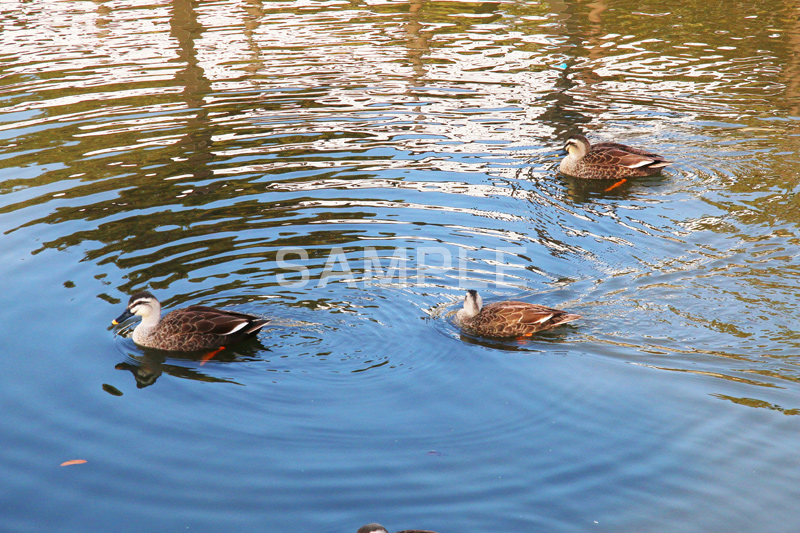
(122, 318)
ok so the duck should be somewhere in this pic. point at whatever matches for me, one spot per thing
(608, 160)
(190, 329)
(377, 528)
(507, 319)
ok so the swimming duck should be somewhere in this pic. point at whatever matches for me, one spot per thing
(187, 330)
(508, 319)
(608, 160)
(377, 528)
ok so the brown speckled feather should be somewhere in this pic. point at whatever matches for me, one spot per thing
(610, 160)
(614, 163)
(626, 148)
(203, 328)
(515, 319)
(190, 329)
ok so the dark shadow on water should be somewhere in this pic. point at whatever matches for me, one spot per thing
(371, 366)
(538, 343)
(585, 191)
(148, 364)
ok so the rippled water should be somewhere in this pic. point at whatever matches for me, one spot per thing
(349, 169)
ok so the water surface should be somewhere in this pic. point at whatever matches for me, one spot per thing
(349, 169)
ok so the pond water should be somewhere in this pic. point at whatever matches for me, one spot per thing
(348, 169)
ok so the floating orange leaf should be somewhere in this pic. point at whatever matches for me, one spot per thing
(73, 462)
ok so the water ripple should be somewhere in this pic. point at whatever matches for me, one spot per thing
(349, 170)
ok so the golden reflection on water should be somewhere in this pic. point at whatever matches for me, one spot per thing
(349, 169)
(163, 140)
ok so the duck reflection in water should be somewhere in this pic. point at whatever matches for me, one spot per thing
(582, 191)
(147, 365)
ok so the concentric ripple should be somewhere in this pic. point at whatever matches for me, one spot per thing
(348, 170)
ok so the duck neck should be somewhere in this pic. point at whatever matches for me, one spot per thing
(569, 163)
(465, 315)
(146, 327)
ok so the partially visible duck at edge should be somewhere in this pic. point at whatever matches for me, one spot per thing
(507, 319)
(377, 528)
(193, 328)
(608, 160)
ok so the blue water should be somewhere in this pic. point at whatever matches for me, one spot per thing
(348, 171)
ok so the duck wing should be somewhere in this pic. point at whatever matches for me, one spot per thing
(624, 155)
(201, 320)
(512, 319)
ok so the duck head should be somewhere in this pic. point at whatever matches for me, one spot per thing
(577, 146)
(142, 304)
(472, 305)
